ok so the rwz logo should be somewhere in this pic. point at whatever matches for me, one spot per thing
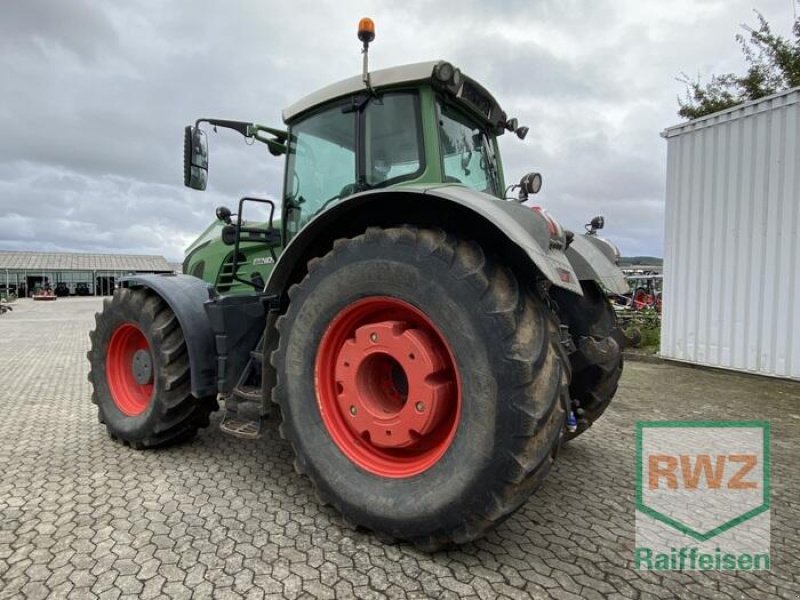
(701, 480)
(688, 471)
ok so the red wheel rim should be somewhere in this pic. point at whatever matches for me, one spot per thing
(129, 370)
(387, 387)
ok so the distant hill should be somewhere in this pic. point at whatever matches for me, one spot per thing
(651, 261)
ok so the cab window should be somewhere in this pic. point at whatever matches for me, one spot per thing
(392, 139)
(467, 154)
(324, 165)
(321, 163)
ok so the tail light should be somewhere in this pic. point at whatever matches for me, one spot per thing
(553, 227)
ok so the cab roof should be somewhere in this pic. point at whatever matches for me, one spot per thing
(385, 77)
(402, 74)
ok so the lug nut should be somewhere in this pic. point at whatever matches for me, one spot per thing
(373, 337)
(420, 407)
(353, 410)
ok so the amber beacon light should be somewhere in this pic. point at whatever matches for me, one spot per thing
(366, 30)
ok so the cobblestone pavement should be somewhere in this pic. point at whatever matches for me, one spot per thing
(81, 516)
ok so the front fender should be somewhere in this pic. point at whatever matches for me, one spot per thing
(186, 296)
(594, 260)
(442, 205)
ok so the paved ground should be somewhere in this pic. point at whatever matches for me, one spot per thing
(81, 516)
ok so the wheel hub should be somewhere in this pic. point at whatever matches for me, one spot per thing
(389, 386)
(142, 367)
(129, 370)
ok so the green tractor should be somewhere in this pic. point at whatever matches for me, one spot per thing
(425, 343)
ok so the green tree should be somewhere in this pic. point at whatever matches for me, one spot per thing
(773, 65)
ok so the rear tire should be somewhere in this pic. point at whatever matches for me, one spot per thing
(505, 383)
(139, 371)
(594, 383)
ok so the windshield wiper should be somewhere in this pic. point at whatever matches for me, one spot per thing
(328, 201)
(362, 186)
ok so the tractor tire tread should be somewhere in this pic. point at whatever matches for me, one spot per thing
(179, 413)
(592, 385)
(533, 346)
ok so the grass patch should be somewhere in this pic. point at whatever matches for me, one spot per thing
(643, 328)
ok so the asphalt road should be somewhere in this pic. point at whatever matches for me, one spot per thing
(82, 516)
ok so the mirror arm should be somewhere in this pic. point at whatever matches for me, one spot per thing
(276, 146)
(239, 126)
(279, 135)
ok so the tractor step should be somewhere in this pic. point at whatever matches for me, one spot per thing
(237, 426)
(247, 393)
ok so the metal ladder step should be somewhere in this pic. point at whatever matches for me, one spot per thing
(233, 424)
(242, 417)
(239, 419)
(247, 393)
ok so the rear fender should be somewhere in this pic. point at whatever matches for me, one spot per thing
(594, 259)
(446, 206)
(186, 296)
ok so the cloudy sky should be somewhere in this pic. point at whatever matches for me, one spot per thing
(95, 95)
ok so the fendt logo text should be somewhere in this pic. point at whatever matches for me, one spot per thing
(702, 495)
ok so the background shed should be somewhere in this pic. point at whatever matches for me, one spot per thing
(72, 273)
(732, 249)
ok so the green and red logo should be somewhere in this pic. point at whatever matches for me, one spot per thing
(702, 495)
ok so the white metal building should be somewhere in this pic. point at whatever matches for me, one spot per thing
(732, 243)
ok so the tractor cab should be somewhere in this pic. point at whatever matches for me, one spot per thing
(422, 123)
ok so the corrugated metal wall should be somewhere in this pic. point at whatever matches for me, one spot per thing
(732, 243)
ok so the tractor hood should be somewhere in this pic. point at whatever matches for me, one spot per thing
(211, 234)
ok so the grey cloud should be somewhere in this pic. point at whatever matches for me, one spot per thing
(45, 27)
(96, 94)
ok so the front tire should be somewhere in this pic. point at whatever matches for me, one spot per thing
(139, 371)
(422, 388)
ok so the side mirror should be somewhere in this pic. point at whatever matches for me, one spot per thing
(195, 158)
